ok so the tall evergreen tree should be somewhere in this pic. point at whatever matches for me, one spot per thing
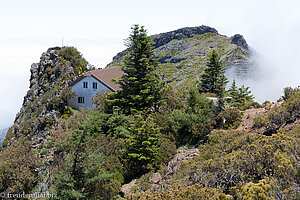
(213, 79)
(140, 84)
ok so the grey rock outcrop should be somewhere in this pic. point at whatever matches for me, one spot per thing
(182, 33)
(187, 32)
(183, 54)
(239, 40)
(41, 104)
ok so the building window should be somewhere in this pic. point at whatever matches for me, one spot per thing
(80, 99)
(95, 85)
(85, 84)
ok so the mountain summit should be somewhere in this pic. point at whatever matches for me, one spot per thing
(183, 52)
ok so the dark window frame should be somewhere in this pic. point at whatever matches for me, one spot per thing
(85, 84)
(80, 99)
(95, 85)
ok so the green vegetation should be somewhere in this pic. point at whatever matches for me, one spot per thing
(196, 191)
(44, 103)
(229, 118)
(258, 190)
(288, 92)
(134, 133)
(141, 151)
(240, 164)
(181, 59)
(17, 168)
(213, 79)
(191, 123)
(140, 84)
(83, 173)
(102, 150)
(71, 55)
(240, 97)
(279, 116)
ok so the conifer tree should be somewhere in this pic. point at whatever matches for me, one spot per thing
(142, 146)
(213, 78)
(140, 84)
(239, 95)
(245, 93)
(81, 174)
(233, 90)
(234, 94)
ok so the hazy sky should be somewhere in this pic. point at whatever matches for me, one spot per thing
(98, 29)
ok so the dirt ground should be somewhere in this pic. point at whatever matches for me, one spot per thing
(250, 114)
(184, 154)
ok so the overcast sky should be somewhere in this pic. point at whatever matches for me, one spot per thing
(98, 28)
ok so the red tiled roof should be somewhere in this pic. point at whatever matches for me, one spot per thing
(104, 76)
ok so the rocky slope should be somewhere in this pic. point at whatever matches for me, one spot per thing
(41, 103)
(44, 103)
(183, 52)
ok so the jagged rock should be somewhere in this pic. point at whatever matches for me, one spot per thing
(183, 54)
(42, 105)
(164, 38)
(34, 71)
(187, 32)
(155, 178)
(43, 81)
(239, 40)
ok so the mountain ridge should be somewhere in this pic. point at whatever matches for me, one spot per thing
(183, 52)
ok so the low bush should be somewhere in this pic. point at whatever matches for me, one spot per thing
(229, 118)
(261, 121)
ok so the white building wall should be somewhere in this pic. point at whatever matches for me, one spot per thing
(87, 93)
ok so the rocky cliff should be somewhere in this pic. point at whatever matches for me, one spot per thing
(44, 104)
(45, 100)
(183, 52)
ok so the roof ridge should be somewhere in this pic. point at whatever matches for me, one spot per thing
(104, 76)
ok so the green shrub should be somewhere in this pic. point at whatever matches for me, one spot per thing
(190, 124)
(75, 58)
(267, 105)
(288, 92)
(255, 105)
(88, 158)
(229, 118)
(261, 121)
(196, 191)
(260, 190)
(166, 151)
(17, 167)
